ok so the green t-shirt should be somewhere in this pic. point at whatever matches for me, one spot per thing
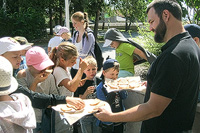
(124, 55)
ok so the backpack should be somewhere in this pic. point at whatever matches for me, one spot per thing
(114, 99)
(138, 60)
(97, 51)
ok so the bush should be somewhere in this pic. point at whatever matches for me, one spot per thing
(147, 39)
(27, 22)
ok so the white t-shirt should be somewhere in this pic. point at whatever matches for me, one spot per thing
(61, 74)
(55, 41)
(79, 49)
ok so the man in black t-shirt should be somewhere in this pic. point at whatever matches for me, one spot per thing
(172, 80)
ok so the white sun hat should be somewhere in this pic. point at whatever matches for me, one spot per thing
(8, 83)
(56, 29)
(107, 43)
(10, 44)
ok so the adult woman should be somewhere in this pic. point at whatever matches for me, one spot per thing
(82, 38)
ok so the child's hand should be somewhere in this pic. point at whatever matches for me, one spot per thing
(41, 77)
(90, 90)
(83, 65)
(77, 102)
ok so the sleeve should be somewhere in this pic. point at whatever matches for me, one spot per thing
(128, 48)
(41, 100)
(168, 77)
(100, 94)
(60, 74)
(50, 42)
(88, 45)
(23, 82)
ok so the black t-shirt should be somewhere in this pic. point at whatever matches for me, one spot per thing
(175, 75)
(81, 90)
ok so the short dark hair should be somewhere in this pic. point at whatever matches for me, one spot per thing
(171, 5)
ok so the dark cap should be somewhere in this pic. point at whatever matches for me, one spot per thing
(109, 63)
(22, 40)
(193, 29)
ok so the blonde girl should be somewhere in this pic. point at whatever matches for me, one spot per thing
(64, 56)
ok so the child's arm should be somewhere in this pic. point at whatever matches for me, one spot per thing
(140, 53)
(73, 84)
(21, 79)
(89, 90)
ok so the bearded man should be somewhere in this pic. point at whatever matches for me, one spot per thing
(172, 80)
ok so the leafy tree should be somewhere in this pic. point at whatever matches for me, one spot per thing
(195, 5)
(132, 10)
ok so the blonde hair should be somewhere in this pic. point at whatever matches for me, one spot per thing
(65, 50)
(90, 60)
(81, 16)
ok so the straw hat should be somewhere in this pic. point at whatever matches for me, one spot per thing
(8, 83)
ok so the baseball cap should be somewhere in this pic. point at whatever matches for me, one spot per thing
(22, 40)
(63, 30)
(8, 83)
(37, 57)
(193, 29)
(109, 63)
(10, 44)
(57, 28)
(107, 43)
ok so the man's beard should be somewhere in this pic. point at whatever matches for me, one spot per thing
(160, 32)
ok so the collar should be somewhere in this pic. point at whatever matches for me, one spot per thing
(174, 40)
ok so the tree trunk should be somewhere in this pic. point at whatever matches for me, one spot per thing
(50, 20)
(126, 28)
(60, 13)
(96, 23)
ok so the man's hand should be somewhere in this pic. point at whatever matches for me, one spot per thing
(77, 102)
(104, 115)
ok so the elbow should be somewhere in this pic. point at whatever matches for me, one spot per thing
(72, 89)
(157, 113)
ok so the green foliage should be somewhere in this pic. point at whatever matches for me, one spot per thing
(29, 23)
(146, 38)
(131, 9)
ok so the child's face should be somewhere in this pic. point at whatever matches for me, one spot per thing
(14, 57)
(65, 36)
(90, 71)
(115, 44)
(36, 72)
(70, 62)
(111, 74)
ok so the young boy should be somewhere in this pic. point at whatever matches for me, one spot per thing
(17, 114)
(37, 79)
(111, 71)
(87, 91)
(23, 65)
(125, 52)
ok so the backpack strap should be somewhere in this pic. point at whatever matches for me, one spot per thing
(104, 91)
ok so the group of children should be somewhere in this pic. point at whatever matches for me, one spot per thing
(38, 77)
(51, 74)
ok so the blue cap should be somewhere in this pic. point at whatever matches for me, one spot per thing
(109, 63)
(193, 29)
